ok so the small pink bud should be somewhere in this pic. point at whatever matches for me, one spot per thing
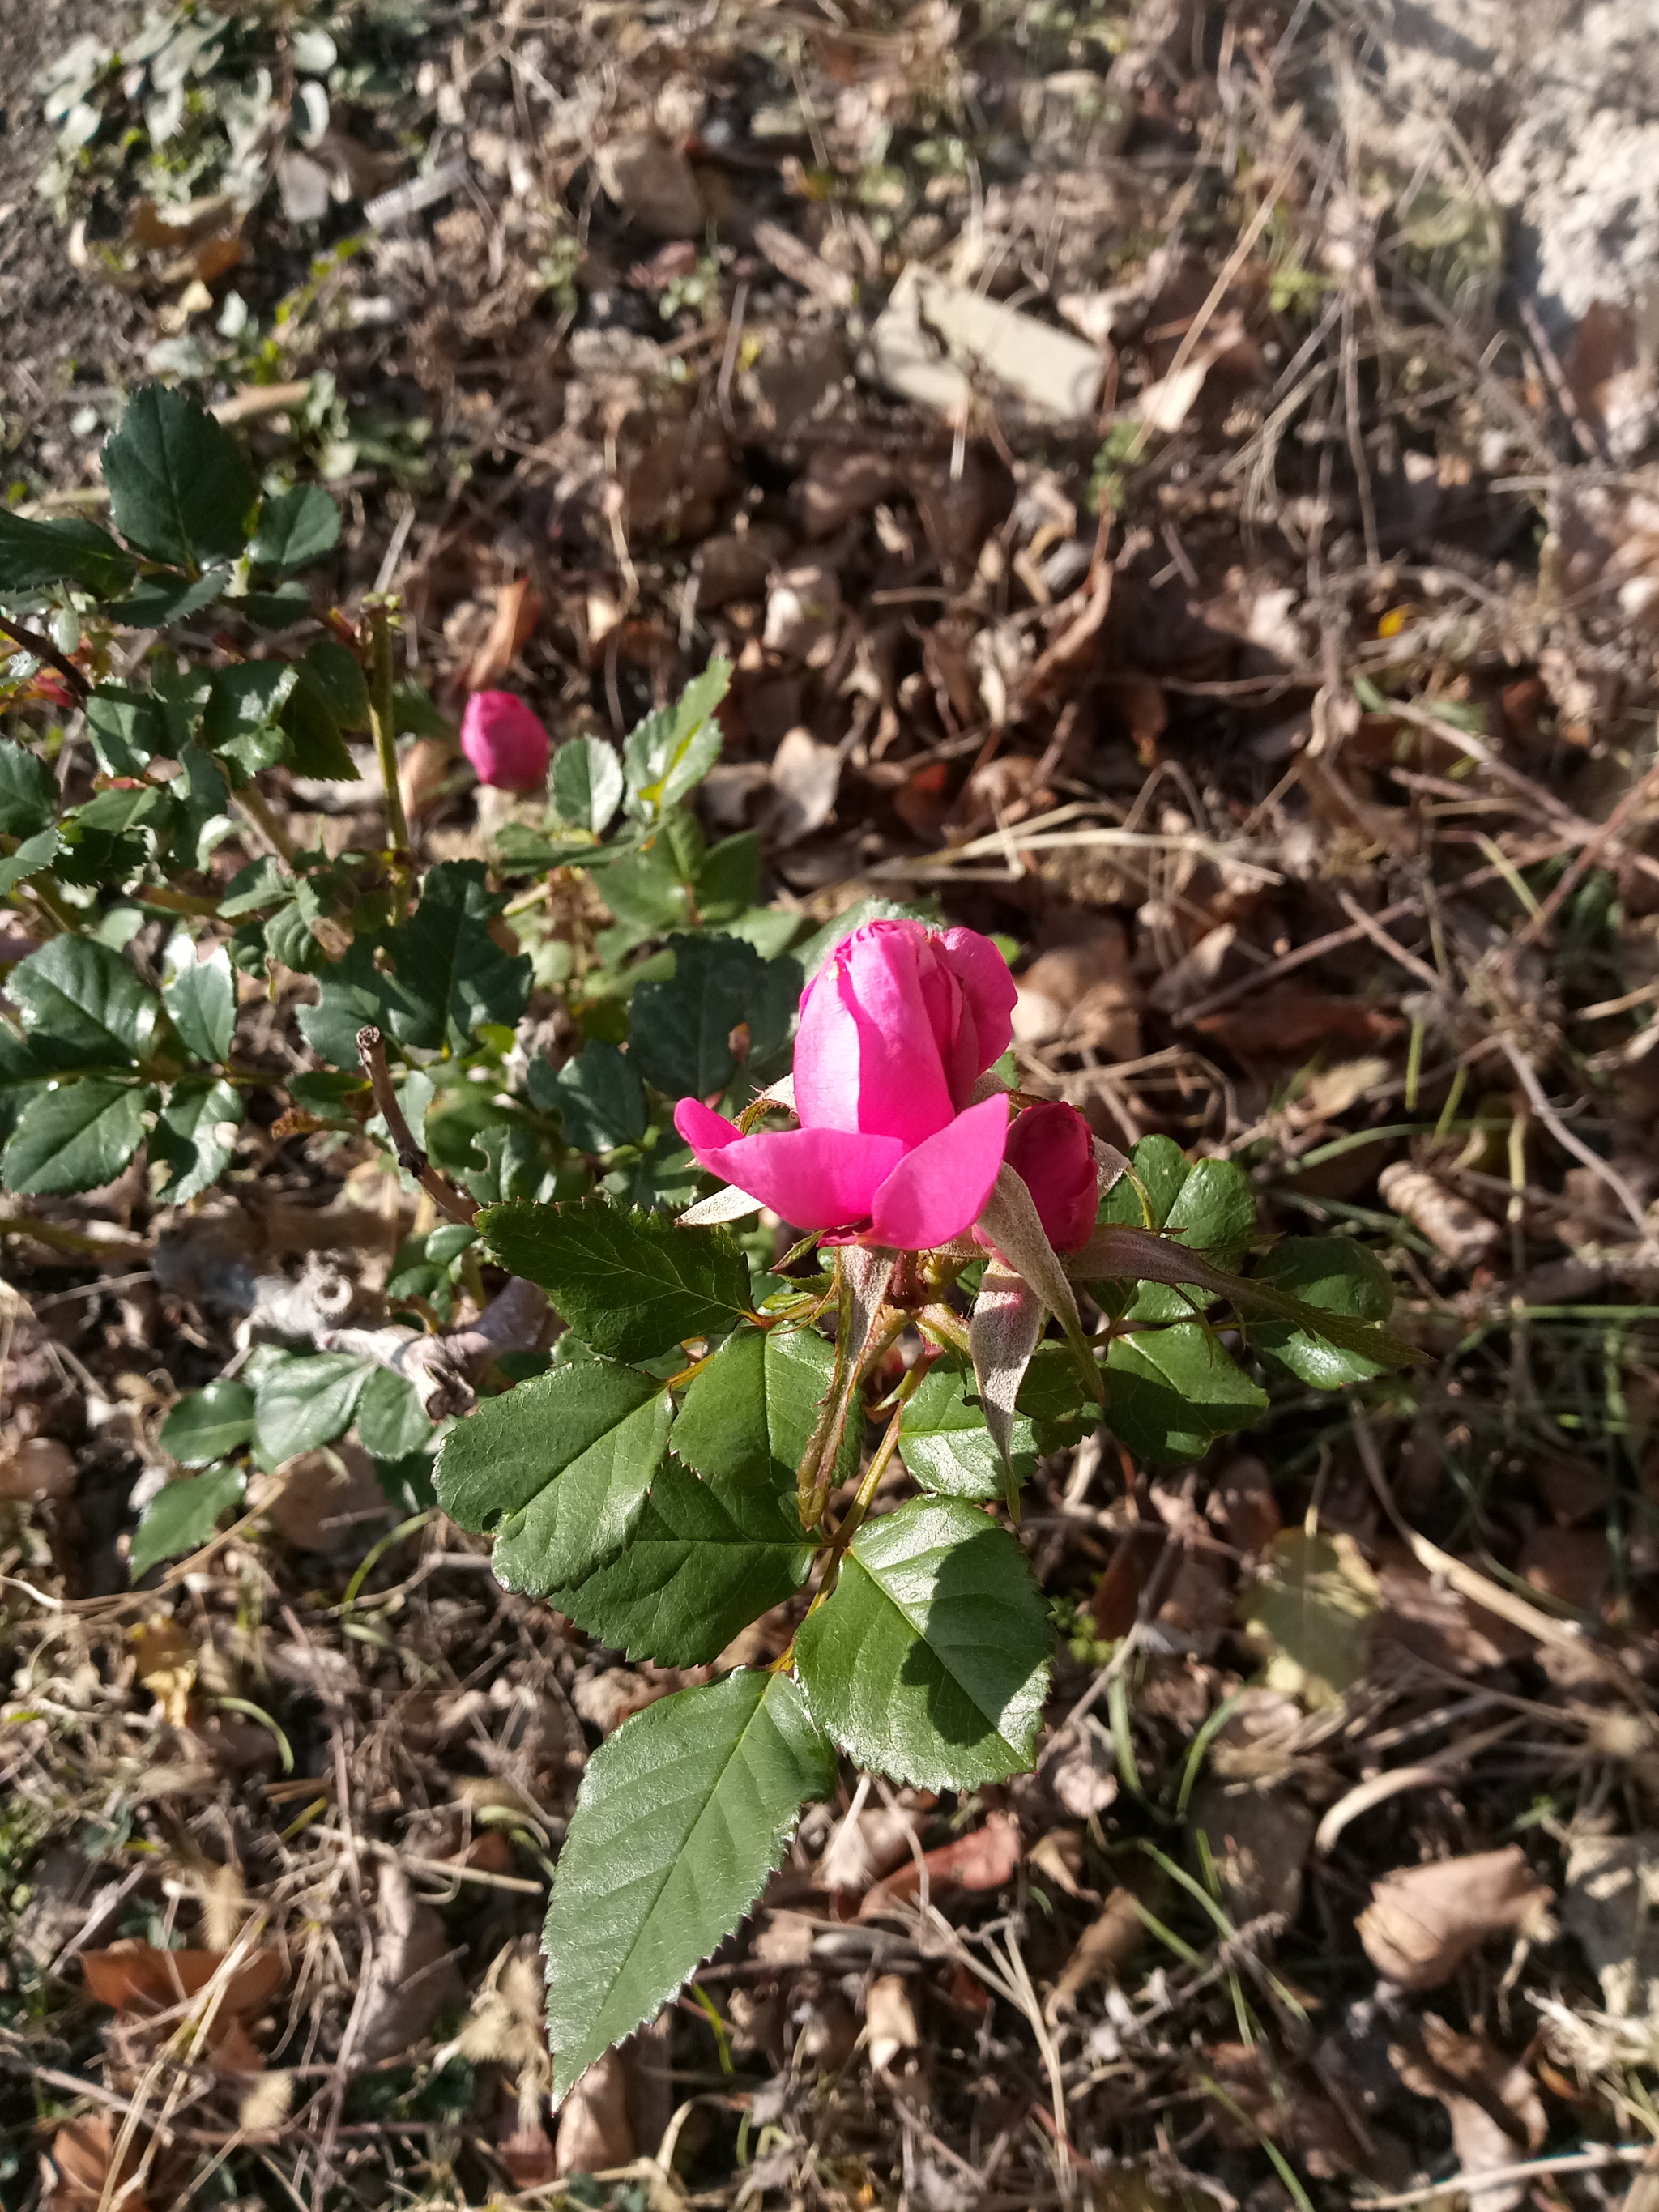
(1051, 1148)
(505, 742)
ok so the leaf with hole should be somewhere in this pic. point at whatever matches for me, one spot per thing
(180, 487)
(930, 1660)
(182, 1516)
(682, 1815)
(630, 1284)
(559, 1467)
(209, 1423)
(77, 1136)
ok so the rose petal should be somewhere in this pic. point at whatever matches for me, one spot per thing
(868, 1052)
(814, 1178)
(937, 1189)
(988, 995)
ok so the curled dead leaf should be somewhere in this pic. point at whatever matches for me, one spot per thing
(1103, 1950)
(1451, 1224)
(890, 2021)
(1423, 1922)
(1496, 2115)
(595, 2132)
(984, 1859)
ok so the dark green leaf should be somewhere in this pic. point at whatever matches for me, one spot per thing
(750, 1413)
(263, 883)
(34, 854)
(77, 1136)
(930, 1661)
(84, 1005)
(944, 1444)
(1207, 1203)
(209, 1423)
(281, 609)
(305, 1401)
(127, 729)
(562, 1464)
(587, 784)
(354, 992)
(313, 745)
(1171, 1392)
(675, 748)
(201, 796)
(180, 487)
(296, 527)
(201, 996)
(679, 1032)
(682, 1815)
(729, 880)
(390, 1422)
(245, 702)
(155, 601)
(601, 1098)
(28, 791)
(338, 675)
(196, 1134)
(631, 1283)
(33, 554)
(182, 1516)
(645, 893)
(449, 974)
(1339, 1276)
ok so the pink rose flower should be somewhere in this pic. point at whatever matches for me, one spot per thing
(1052, 1150)
(896, 1029)
(505, 742)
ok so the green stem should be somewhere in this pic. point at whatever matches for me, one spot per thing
(258, 808)
(382, 717)
(47, 895)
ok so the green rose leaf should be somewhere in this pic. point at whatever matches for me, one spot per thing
(127, 729)
(750, 1411)
(682, 1815)
(71, 551)
(209, 1423)
(28, 791)
(180, 487)
(354, 993)
(182, 1516)
(157, 600)
(1171, 1392)
(201, 996)
(83, 1004)
(34, 854)
(305, 1400)
(600, 1097)
(945, 1445)
(75, 1136)
(930, 1660)
(705, 1559)
(631, 1283)
(587, 784)
(295, 528)
(245, 702)
(196, 1134)
(1338, 1276)
(675, 748)
(680, 1031)
(311, 744)
(559, 1467)
(1208, 1204)
(449, 976)
(336, 674)
(390, 1422)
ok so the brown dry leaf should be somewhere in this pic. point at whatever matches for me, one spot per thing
(138, 1978)
(984, 1859)
(1612, 1906)
(1423, 1922)
(1080, 1765)
(1083, 995)
(528, 2155)
(1313, 1614)
(1105, 1947)
(1059, 1857)
(410, 1975)
(1284, 1021)
(1496, 2115)
(421, 774)
(861, 1850)
(39, 1469)
(1243, 1505)
(1451, 1224)
(80, 2164)
(1572, 1565)
(595, 2132)
(890, 2021)
(805, 778)
(841, 482)
(1434, 1622)
(1226, 346)
(518, 610)
(165, 1660)
(1283, 2105)
(654, 184)
(803, 612)
(1259, 1840)
(326, 1497)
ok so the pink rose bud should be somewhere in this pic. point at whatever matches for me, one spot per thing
(505, 742)
(896, 1029)
(1051, 1149)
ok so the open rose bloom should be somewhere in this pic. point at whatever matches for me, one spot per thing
(901, 1137)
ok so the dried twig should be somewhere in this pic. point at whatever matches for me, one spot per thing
(371, 1048)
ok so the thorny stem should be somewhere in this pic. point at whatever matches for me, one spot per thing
(383, 723)
(371, 1050)
(43, 649)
